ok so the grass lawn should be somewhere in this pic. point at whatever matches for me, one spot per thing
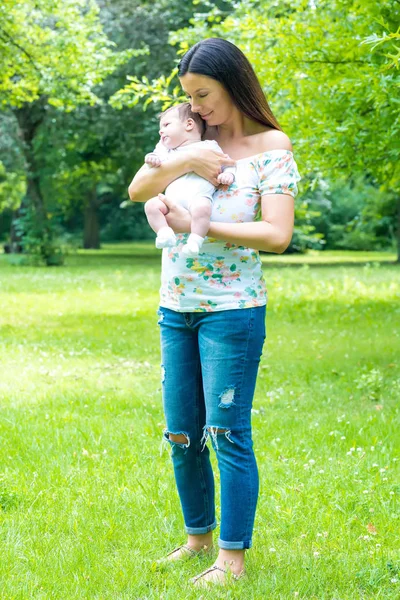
(87, 496)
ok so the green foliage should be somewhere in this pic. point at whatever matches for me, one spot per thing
(128, 223)
(164, 89)
(12, 188)
(55, 49)
(40, 244)
(348, 214)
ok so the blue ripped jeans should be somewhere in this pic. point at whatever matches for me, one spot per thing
(209, 370)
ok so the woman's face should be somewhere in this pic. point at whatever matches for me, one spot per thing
(207, 97)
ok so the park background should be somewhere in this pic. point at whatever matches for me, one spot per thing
(87, 498)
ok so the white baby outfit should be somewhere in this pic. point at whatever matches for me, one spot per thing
(227, 276)
(187, 188)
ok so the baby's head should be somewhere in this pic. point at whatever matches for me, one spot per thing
(179, 124)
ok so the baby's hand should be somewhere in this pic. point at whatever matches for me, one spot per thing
(152, 160)
(225, 178)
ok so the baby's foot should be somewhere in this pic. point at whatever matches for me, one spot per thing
(165, 238)
(190, 249)
(193, 245)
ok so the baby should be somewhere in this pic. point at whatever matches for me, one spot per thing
(181, 129)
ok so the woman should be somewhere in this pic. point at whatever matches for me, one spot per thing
(212, 309)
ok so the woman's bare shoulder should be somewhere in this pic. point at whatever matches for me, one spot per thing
(274, 139)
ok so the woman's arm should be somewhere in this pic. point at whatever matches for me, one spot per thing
(272, 234)
(149, 182)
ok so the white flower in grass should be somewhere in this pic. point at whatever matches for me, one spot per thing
(312, 461)
(316, 554)
(394, 580)
(343, 437)
(272, 550)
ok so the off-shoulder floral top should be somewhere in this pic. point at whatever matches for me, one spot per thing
(225, 276)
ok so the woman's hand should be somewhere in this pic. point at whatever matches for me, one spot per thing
(178, 218)
(209, 163)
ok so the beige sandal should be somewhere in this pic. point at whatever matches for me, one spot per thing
(199, 580)
(183, 552)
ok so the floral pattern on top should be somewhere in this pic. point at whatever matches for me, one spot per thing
(226, 276)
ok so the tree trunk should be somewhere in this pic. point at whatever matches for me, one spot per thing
(91, 234)
(15, 246)
(29, 118)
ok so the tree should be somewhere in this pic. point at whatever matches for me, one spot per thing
(53, 54)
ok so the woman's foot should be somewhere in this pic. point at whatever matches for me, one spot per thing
(216, 575)
(184, 552)
(228, 567)
(197, 545)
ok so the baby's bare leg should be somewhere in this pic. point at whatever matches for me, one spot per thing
(155, 211)
(200, 210)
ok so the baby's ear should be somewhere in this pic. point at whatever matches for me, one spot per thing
(189, 124)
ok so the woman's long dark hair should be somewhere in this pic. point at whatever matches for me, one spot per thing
(224, 62)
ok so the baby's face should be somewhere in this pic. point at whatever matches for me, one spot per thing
(172, 130)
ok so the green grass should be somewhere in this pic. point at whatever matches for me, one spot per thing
(87, 496)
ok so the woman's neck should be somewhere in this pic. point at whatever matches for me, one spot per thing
(238, 128)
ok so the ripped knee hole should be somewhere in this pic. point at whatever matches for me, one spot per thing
(216, 430)
(178, 438)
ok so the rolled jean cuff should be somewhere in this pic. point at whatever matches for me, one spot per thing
(234, 545)
(200, 530)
